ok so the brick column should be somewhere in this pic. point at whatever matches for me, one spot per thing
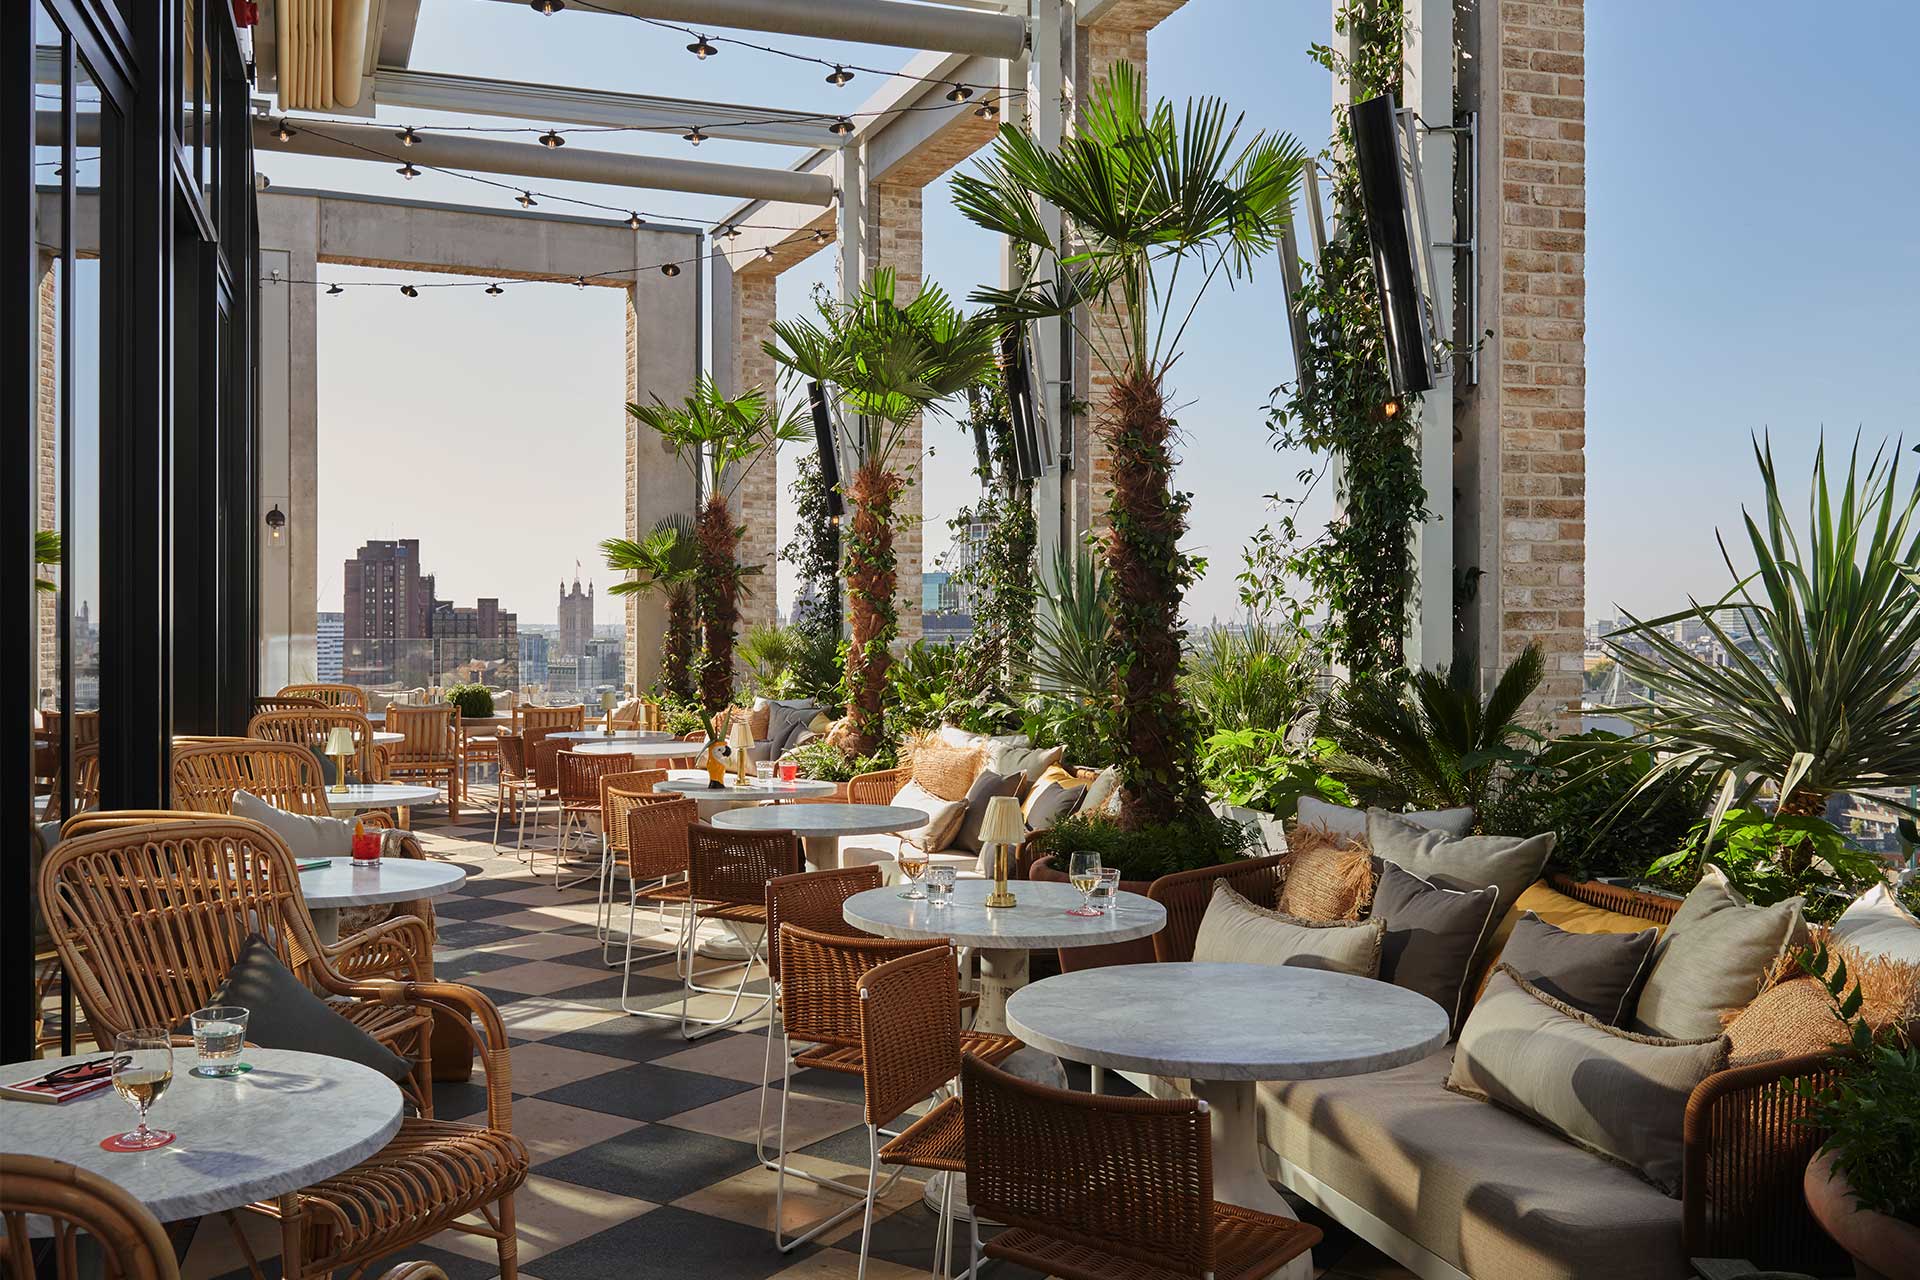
(893, 240)
(756, 500)
(1526, 421)
(47, 487)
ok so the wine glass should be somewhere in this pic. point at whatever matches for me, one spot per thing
(1083, 872)
(913, 864)
(142, 1070)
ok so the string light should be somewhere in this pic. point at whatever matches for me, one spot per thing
(283, 134)
(547, 8)
(838, 76)
(669, 269)
(701, 49)
(767, 252)
(987, 111)
(333, 289)
(494, 290)
(960, 93)
(840, 128)
(407, 136)
(635, 221)
(552, 139)
(694, 136)
(408, 291)
(526, 200)
(579, 282)
(408, 172)
(728, 230)
(819, 236)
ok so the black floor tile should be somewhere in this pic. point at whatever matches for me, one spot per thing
(459, 1100)
(473, 933)
(645, 1091)
(473, 907)
(635, 1039)
(642, 992)
(671, 1244)
(464, 964)
(654, 1162)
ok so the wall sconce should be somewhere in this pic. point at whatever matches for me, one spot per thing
(276, 521)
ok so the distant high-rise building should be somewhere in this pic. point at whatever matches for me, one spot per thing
(533, 658)
(387, 600)
(329, 630)
(607, 658)
(478, 644)
(576, 620)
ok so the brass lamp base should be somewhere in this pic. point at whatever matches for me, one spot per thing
(339, 786)
(1001, 898)
(1001, 895)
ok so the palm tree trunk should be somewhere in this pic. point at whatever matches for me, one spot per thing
(1149, 575)
(676, 651)
(1802, 802)
(873, 621)
(718, 591)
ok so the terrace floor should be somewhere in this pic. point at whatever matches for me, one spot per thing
(643, 1158)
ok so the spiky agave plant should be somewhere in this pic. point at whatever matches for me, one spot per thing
(1143, 195)
(1824, 697)
(667, 560)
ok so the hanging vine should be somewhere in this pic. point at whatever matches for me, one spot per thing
(814, 552)
(1341, 403)
(999, 580)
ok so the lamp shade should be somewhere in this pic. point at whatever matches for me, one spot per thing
(1003, 823)
(340, 741)
(738, 739)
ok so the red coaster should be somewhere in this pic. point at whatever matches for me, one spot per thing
(117, 1142)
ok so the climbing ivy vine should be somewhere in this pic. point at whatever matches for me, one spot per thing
(999, 580)
(814, 551)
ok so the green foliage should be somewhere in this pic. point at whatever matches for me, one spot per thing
(1262, 678)
(1200, 839)
(1871, 1106)
(1258, 768)
(474, 700)
(1587, 788)
(1070, 654)
(678, 717)
(718, 437)
(46, 555)
(666, 560)
(1770, 857)
(1000, 581)
(814, 551)
(1432, 743)
(1084, 727)
(824, 762)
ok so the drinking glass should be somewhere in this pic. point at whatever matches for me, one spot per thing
(940, 881)
(763, 773)
(913, 864)
(1083, 872)
(219, 1032)
(142, 1070)
(1105, 888)
(789, 770)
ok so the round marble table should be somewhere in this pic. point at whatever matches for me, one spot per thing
(383, 739)
(618, 735)
(644, 753)
(398, 796)
(820, 827)
(293, 1120)
(1224, 1027)
(342, 883)
(737, 796)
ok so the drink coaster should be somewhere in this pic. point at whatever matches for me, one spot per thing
(237, 1070)
(115, 1143)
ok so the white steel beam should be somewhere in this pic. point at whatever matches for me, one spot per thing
(564, 104)
(888, 22)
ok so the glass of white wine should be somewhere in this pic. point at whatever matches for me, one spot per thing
(913, 865)
(142, 1070)
(1083, 872)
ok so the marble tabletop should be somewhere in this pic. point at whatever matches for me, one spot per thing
(382, 738)
(669, 749)
(379, 795)
(752, 792)
(1041, 919)
(1227, 1021)
(343, 884)
(618, 735)
(825, 819)
(293, 1120)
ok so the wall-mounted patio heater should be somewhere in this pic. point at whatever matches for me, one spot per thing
(1394, 229)
(1032, 445)
(825, 437)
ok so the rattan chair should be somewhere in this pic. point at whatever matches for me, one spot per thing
(727, 875)
(1095, 1188)
(576, 776)
(571, 716)
(332, 695)
(619, 792)
(285, 704)
(516, 786)
(68, 1204)
(309, 726)
(429, 750)
(148, 920)
(656, 864)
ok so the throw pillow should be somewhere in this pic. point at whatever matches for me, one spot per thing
(1795, 1015)
(304, 837)
(1049, 801)
(1101, 791)
(328, 774)
(787, 721)
(1237, 931)
(1557, 909)
(985, 787)
(1596, 973)
(1432, 935)
(284, 1014)
(1619, 1095)
(943, 769)
(1351, 824)
(955, 736)
(943, 816)
(1715, 957)
(1876, 924)
(1030, 762)
(1510, 863)
(1325, 879)
(759, 719)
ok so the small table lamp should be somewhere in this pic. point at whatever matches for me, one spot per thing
(741, 742)
(339, 746)
(607, 702)
(1002, 829)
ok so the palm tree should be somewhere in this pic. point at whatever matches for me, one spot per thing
(1824, 695)
(887, 362)
(719, 438)
(1142, 197)
(667, 560)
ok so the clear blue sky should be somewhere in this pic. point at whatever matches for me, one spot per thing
(1750, 179)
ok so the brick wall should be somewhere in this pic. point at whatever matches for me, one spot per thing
(893, 240)
(756, 501)
(47, 486)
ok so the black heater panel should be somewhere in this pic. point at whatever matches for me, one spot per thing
(829, 456)
(1383, 193)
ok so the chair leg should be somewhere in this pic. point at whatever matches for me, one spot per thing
(509, 1240)
(1097, 1080)
(733, 1015)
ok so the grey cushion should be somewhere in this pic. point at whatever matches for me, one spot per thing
(1596, 973)
(328, 774)
(1466, 862)
(304, 837)
(1052, 804)
(1619, 1095)
(1351, 824)
(1237, 931)
(1713, 959)
(284, 1014)
(787, 721)
(1432, 935)
(986, 786)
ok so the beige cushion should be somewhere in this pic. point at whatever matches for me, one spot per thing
(1491, 1194)
(1351, 824)
(1004, 758)
(1101, 790)
(1236, 931)
(1619, 1095)
(1713, 959)
(1325, 880)
(1877, 925)
(942, 769)
(305, 837)
(943, 816)
(1468, 862)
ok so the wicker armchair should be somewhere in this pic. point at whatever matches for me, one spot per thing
(1185, 895)
(880, 787)
(285, 704)
(727, 875)
(1095, 1188)
(573, 716)
(332, 695)
(149, 918)
(309, 726)
(429, 750)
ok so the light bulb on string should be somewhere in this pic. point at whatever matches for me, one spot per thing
(579, 282)
(635, 221)
(701, 49)
(547, 8)
(694, 136)
(408, 291)
(670, 269)
(494, 289)
(283, 134)
(840, 128)
(730, 231)
(526, 200)
(839, 76)
(333, 289)
(819, 236)
(767, 252)
(551, 139)
(408, 172)
(407, 136)
(960, 93)
(987, 111)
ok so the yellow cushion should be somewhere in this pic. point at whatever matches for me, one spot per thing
(1557, 909)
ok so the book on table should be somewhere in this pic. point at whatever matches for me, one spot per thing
(63, 1084)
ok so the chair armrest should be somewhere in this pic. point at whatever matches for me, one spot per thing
(880, 787)
(375, 819)
(399, 945)
(473, 1011)
(1744, 1153)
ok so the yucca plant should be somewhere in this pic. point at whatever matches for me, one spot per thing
(1824, 697)
(1069, 654)
(887, 361)
(667, 560)
(1260, 678)
(1434, 743)
(719, 438)
(1143, 195)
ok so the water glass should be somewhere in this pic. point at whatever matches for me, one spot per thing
(940, 881)
(142, 1070)
(1105, 888)
(763, 773)
(219, 1033)
(1083, 872)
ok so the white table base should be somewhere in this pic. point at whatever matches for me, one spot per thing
(822, 852)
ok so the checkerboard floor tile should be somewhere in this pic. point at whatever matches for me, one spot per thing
(642, 1142)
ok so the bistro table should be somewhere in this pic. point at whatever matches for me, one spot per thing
(669, 749)
(618, 735)
(343, 883)
(820, 827)
(735, 795)
(381, 738)
(293, 1120)
(381, 795)
(1224, 1027)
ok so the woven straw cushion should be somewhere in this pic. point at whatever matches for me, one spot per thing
(1325, 880)
(1796, 1015)
(1236, 931)
(945, 770)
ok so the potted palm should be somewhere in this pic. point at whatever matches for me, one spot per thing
(888, 362)
(667, 560)
(1153, 209)
(719, 438)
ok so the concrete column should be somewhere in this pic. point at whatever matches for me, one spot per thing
(1043, 74)
(893, 240)
(1521, 468)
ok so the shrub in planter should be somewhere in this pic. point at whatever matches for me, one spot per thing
(824, 762)
(1200, 839)
(474, 700)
